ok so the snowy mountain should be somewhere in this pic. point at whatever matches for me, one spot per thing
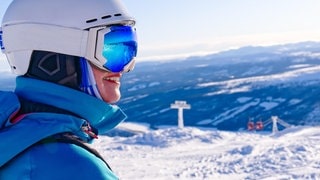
(227, 88)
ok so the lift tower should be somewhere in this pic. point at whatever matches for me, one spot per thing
(180, 105)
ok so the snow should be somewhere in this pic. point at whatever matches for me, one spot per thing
(244, 99)
(296, 66)
(268, 105)
(137, 87)
(230, 113)
(204, 122)
(192, 153)
(230, 91)
(152, 84)
(294, 101)
(303, 74)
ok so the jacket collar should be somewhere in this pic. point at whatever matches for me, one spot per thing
(101, 115)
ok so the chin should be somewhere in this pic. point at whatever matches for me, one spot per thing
(112, 99)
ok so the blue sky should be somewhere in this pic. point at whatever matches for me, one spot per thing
(187, 27)
(179, 27)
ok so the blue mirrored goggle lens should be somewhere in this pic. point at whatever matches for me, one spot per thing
(120, 47)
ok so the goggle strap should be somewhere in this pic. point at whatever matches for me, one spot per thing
(93, 83)
(88, 83)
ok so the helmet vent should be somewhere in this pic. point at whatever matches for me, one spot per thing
(91, 20)
(103, 17)
(106, 17)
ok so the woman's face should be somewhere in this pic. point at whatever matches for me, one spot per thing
(108, 84)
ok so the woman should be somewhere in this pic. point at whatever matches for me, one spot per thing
(69, 56)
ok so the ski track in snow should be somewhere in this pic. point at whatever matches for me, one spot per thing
(192, 153)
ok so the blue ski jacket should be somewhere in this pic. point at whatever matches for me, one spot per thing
(24, 153)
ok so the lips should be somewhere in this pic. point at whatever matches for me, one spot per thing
(113, 78)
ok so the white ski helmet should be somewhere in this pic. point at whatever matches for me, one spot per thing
(71, 27)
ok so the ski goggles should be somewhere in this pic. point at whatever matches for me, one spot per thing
(113, 48)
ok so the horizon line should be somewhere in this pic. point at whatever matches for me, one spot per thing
(182, 56)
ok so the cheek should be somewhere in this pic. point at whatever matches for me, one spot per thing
(110, 92)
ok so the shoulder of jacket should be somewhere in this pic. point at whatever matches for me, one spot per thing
(33, 128)
(67, 161)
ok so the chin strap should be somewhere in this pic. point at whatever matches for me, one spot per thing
(88, 83)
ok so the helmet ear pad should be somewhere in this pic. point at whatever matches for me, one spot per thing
(54, 67)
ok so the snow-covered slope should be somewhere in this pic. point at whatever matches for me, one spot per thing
(193, 153)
